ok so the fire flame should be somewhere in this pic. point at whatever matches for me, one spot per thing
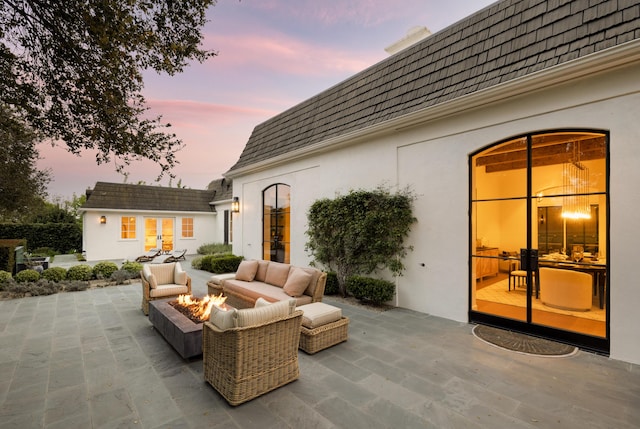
(200, 308)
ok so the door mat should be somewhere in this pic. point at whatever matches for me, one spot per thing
(522, 343)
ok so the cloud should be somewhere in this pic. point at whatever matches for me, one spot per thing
(365, 13)
(185, 112)
(286, 55)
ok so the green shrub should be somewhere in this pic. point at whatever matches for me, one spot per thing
(54, 274)
(33, 288)
(44, 251)
(76, 285)
(331, 287)
(368, 289)
(133, 268)
(5, 276)
(82, 272)
(27, 276)
(221, 264)
(197, 262)
(214, 249)
(103, 270)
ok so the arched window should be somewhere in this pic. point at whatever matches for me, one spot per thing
(276, 219)
(539, 213)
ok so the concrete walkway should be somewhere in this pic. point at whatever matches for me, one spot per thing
(92, 360)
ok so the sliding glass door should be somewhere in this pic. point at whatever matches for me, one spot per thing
(538, 232)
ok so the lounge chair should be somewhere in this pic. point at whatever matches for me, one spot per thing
(151, 253)
(174, 256)
(179, 255)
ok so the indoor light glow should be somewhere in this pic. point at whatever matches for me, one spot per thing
(575, 202)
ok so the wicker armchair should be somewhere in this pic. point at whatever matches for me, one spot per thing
(162, 281)
(244, 363)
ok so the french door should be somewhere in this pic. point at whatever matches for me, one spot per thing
(158, 233)
(276, 223)
(539, 236)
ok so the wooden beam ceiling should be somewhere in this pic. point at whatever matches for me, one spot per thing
(548, 149)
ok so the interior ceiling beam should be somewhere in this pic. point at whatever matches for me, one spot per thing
(514, 155)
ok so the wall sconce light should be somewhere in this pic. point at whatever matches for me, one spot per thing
(235, 205)
(103, 220)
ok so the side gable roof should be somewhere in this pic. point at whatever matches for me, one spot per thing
(222, 189)
(505, 41)
(122, 196)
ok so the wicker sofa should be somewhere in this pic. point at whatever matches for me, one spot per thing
(161, 281)
(272, 281)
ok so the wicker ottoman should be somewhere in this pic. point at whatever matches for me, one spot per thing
(323, 326)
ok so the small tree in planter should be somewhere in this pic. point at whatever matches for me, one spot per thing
(361, 232)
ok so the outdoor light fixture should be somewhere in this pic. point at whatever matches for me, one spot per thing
(103, 220)
(235, 205)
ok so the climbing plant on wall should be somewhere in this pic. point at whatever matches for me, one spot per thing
(361, 232)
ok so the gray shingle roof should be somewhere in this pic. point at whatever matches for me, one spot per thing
(122, 196)
(222, 189)
(502, 42)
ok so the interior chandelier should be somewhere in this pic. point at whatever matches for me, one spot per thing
(575, 200)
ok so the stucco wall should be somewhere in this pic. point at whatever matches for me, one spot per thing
(432, 158)
(102, 241)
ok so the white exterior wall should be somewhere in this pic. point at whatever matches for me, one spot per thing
(432, 158)
(102, 241)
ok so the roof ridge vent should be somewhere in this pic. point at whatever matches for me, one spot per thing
(414, 35)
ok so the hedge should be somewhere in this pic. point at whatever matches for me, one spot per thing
(221, 264)
(370, 289)
(63, 237)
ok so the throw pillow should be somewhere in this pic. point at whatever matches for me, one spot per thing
(247, 271)
(261, 302)
(297, 282)
(277, 274)
(223, 319)
(261, 275)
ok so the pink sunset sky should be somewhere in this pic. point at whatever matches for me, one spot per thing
(272, 55)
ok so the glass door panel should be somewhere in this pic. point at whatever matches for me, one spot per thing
(276, 223)
(167, 234)
(150, 233)
(569, 184)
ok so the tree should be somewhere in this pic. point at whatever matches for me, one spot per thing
(22, 185)
(360, 233)
(72, 70)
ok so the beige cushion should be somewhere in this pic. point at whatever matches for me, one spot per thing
(261, 275)
(149, 277)
(319, 314)
(216, 279)
(168, 290)
(223, 319)
(261, 302)
(315, 275)
(256, 289)
(247, 270)
(164, 273)
(179, 276)
(264, 314)
(297, 282)
(277, 273)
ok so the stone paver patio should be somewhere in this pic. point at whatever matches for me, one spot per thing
(92, 360)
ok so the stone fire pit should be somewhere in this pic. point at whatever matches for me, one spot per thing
(184, 335)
